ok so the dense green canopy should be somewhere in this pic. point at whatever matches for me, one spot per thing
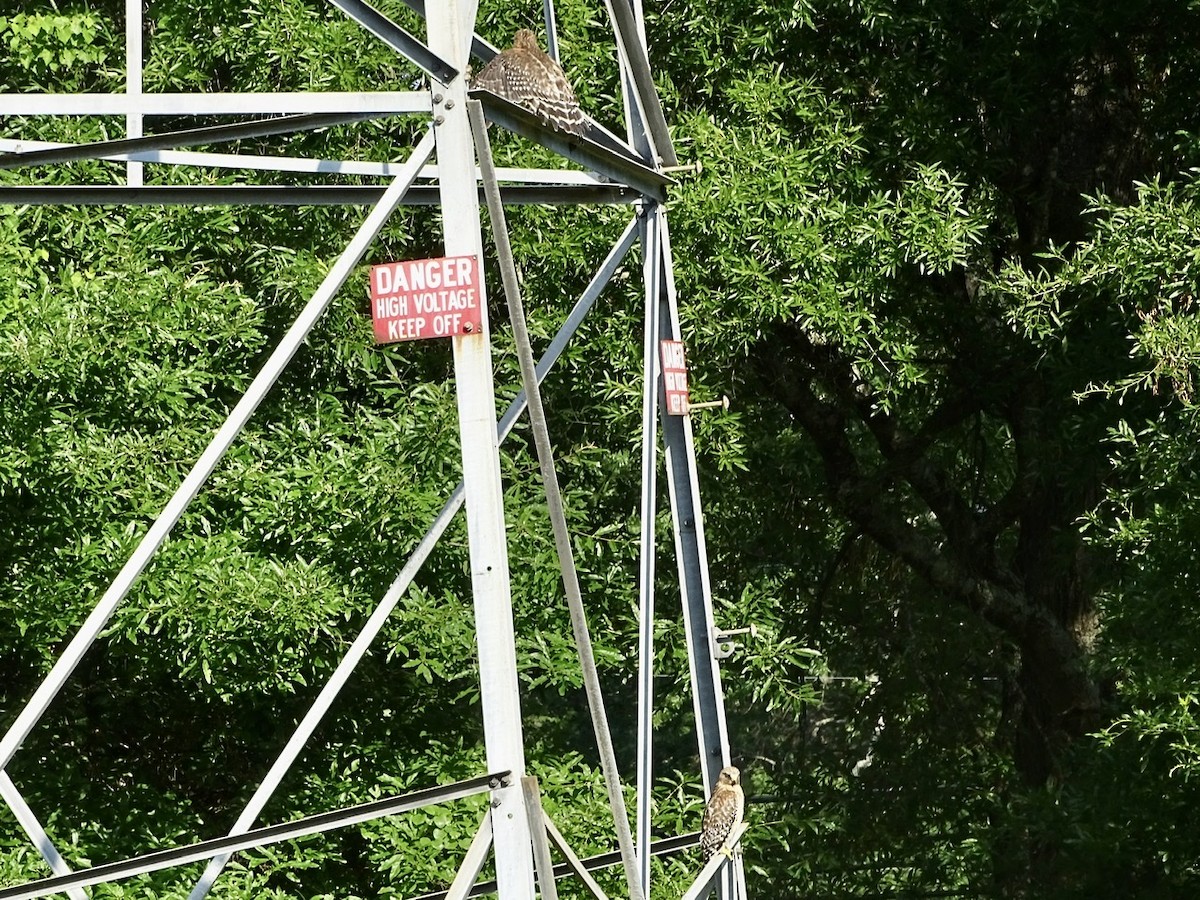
(942, 256)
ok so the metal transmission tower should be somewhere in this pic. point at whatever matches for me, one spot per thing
(624, 171)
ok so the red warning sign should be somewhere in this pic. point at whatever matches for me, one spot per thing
(425, 298)
(674, 371)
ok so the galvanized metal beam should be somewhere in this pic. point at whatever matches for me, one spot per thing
(286, 195)
(188, 137)
(575, 864)
(54, 680)
(690, 549)
(259, 837)
(398, 39)
(647, 552)
(615, 162)
(36, 833)
(472, 864)
(541, 844)
(491, 589)
(691, 555)
(719, 863)
(633, 52)
(551, 22)
(389, 170)
(591, 864)
(212, 104)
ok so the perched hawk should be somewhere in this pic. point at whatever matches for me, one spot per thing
(525, 75)
(723, 814)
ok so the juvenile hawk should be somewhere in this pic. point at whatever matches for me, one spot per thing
(723, 814)
(527, 76)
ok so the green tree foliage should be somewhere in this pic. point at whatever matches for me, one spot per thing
(942, 257)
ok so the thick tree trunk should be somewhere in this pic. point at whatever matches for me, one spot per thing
(1038, 598)
(1058, 702)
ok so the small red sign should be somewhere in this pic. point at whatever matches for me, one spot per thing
(425, 298)
(674, 371)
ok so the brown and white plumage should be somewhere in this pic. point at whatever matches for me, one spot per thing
(526, 75)
(723, 813)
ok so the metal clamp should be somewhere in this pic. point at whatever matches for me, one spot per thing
(723, 643)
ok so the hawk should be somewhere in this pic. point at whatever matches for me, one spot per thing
(723, 814)
(526, 75)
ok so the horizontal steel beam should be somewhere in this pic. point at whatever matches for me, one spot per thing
(613, 162)
(397, 38)
(592, 863)
(188, 137)
(245, 161)
(232, 104)
(286, 195)
(271, 834)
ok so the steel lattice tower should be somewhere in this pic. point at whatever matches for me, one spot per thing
(632, 169)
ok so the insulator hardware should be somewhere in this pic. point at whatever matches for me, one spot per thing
(724, 643)
(692, 168)
(723, 403)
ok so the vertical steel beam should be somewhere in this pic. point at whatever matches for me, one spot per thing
(551, 29)
(649, 510)
(639, 139)
(133, 83)
(362, 643)
(448, 36)
(691, 556)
